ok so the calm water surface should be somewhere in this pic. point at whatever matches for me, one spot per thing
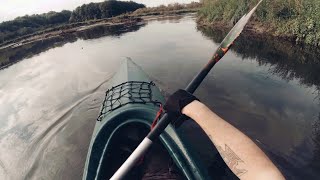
(49, 101)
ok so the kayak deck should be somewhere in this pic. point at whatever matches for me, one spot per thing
(126, 116)
(156, 164)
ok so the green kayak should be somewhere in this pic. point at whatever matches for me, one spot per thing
(130, 106)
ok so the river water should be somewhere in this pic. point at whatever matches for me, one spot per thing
(50, 99)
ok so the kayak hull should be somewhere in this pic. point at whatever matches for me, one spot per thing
(133, 111)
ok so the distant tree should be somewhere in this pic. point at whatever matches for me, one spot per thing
(104, 9)
(57, 18)
(30, 23)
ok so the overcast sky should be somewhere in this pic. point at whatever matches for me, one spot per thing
(9, 9)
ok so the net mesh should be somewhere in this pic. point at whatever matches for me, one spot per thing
(131, 92)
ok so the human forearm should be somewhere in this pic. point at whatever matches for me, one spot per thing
(239, 152)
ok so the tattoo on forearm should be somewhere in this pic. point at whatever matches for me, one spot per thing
(231, 159)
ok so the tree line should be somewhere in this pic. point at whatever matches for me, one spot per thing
(104, 9)
(29, 24)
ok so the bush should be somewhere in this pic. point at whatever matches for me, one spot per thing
(104, 9)
(297, 18)
(170, 7)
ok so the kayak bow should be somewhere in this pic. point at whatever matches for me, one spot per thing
(193, 85)
(125, 119)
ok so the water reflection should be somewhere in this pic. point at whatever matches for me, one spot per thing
(292, 63)
(10, 56)
(288, 60)
(315, 163)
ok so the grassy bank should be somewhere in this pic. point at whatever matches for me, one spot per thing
(297, 20)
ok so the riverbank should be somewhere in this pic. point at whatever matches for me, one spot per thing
(296, 21)
(129, 19)
(34, 45)
(30, 27)
(253, 29)
(69, 29)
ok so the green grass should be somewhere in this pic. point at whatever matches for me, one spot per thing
(294, 18)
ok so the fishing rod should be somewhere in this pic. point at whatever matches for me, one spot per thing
(192, 86)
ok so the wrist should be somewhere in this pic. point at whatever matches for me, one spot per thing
(192, 107)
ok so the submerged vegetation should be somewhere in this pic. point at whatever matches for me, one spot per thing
(298, 20)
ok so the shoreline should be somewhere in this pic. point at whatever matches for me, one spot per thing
(254, 29)
(61, 31)
(255, 32)
(121, 20)
(27, 47)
